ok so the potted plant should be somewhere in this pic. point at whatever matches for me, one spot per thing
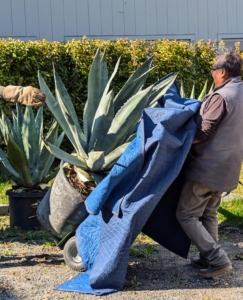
(109, 122)
(27, 163)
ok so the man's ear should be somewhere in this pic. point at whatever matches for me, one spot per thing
(224, 74)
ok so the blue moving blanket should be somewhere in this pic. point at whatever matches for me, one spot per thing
(145, 180)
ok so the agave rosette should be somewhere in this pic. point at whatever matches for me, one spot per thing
(109, 121)
(28, 161)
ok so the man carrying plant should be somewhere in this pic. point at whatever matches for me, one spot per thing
(25, 95)
(214, 163)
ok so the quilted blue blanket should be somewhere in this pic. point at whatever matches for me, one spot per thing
(122, 203)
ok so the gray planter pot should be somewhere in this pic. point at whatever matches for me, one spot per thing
(62, 209)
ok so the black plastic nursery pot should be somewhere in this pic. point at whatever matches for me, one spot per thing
(62, 209)
(22, 209)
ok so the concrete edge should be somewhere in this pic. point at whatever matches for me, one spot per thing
(3, 209)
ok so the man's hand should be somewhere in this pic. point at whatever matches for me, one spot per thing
(25, 95)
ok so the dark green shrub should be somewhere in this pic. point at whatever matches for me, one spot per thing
(19, 62)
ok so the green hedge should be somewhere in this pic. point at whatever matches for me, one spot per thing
(19, 62)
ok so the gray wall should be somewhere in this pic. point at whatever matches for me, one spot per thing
(61, 20)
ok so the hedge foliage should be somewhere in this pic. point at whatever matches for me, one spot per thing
(19, 62)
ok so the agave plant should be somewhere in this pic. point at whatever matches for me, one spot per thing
(27, 162)
(109, 121)
(192, 95)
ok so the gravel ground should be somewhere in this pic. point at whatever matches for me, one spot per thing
(30, 270)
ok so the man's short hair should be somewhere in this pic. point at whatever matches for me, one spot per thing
(231, 61)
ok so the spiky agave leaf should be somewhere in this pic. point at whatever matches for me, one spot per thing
(62, 155)
(182, 91)
(19, 114)
(133, 84)
(83, 175)
(103, 73)
(8, 130)
(131, 137)
(204, 91)
(103, 82)
(54, 107)
(61, 89)
(18, 159)
(192, 96)
(19, 117)
(160, 88)
(107, 101)
(96, 160)
(112, 77)
(211, 88)
(30, 138)
(113, 156)
(45, 159)
(96, 88)
(52, 157)
(15, 122)
(7, 168)
(129, 114)
(39, 125)
(70, 116)
(102, 121)
(46, 176)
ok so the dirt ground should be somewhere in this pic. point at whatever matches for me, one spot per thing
(32, 269)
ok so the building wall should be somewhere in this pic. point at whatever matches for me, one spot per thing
(61, 20)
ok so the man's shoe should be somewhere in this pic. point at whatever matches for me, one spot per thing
(198, 263)
(213, 271)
